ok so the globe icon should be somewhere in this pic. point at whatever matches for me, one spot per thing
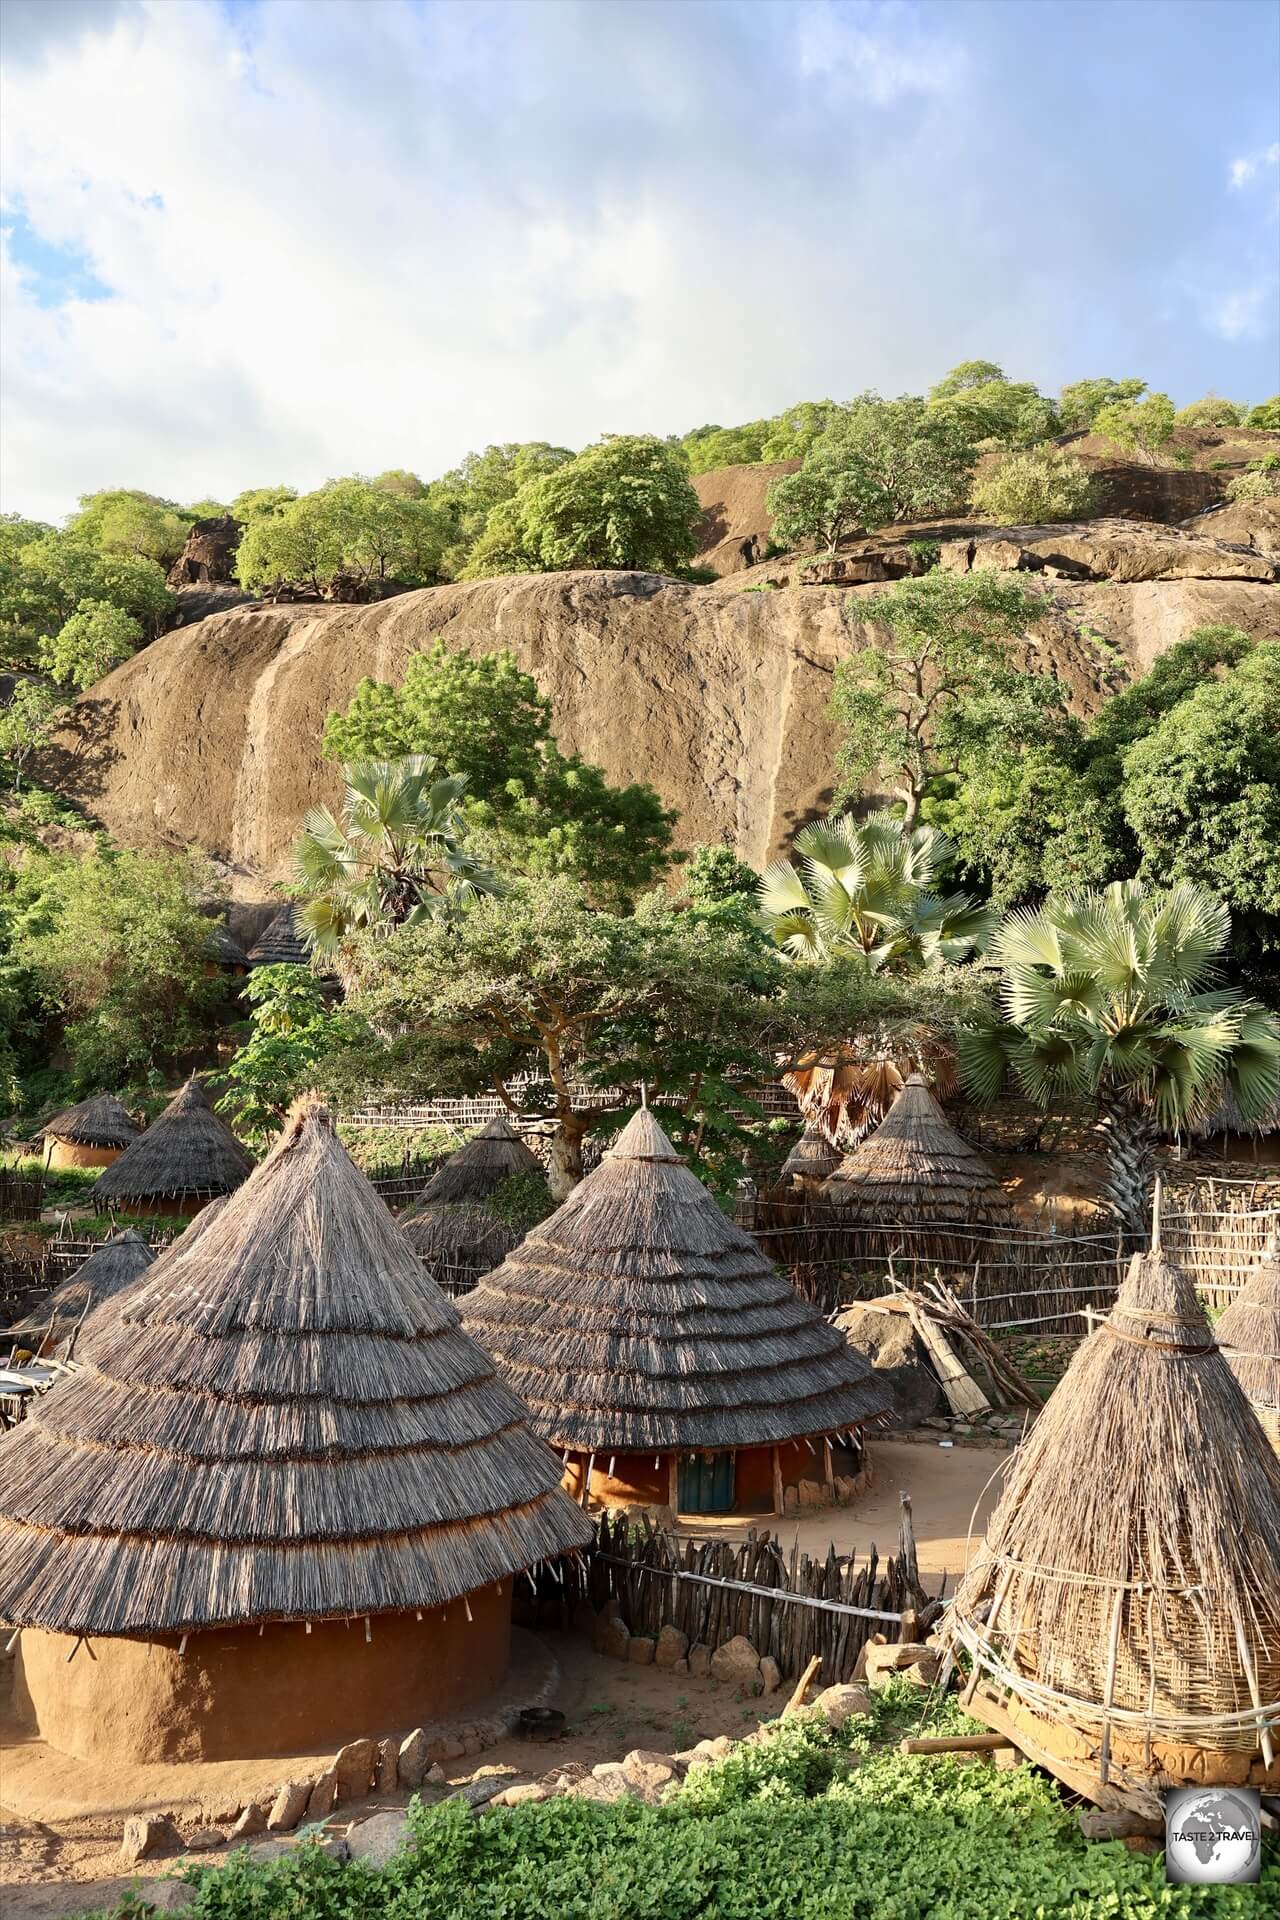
(1213, 1837)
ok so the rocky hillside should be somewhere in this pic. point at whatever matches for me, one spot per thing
(715, 694)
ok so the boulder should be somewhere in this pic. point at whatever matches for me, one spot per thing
(252, 1820)
(147, 1836)
(322, 1796)
(616, 1640)
(378, 1840)
(840, 1703)
(1126, 551)
(412, 1759)
(889, 1342)
(434, 1776)
(811, 1493)
(1098, 1824)
(884, 1662)
(478, 1792)
(263, 1851)
(770, 1674)
(672, 1646)
(1243, 523)
(525, 1794)
(353, 1769)
(208, 558)
(737, 1664)
(640, 1652)
(700, 1660)
(648, 1773)
(289, 1806)
(387, 1771)
(169, 1896)
(206, 1840)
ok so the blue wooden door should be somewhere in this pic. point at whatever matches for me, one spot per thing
(705, 1483)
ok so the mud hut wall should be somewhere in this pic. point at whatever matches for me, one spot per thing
(70, 1153)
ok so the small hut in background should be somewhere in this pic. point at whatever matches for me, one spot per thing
(282, 1496)
(116, 1264)
(915, 1168)
(457, 1236)
(661, 1353)
(93, 1134)
(1249, 1335)
(283, 942)
(809, 1162)
(184, 1159)
(1123, 1612)
(225, 953)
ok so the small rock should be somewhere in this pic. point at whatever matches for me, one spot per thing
(522, 1796)
(605, 1619)
(616, 1639)
(387, 1776)
(715, 1749)
(205, 1840)
(378, 1840)
(737, 1664)
(672, 1646)
(924, 1672)
(474, 1793)
(810, 1493)
(146, 1836)
(251, 1821)
(700, 1660)
(883, 1662)
(1095, 1824)
(840, 1703)
(680, 1666)
(640, 1652)
(770, 1674)
(289, 1806)
(411, 1761)
(790, 1500)
(608, 1782)
(320, 1801)
(353, 1769)
(434, 1775)
(448, 1746)
(170, 1896)
(264, 1850)
(647, 1772)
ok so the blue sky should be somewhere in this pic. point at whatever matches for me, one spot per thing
(281, 239)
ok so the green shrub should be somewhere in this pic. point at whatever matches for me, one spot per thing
(1212, 411)
(1037, 486)
(1260, 481)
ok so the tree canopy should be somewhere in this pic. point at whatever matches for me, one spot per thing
(878, 461)
(377, 538)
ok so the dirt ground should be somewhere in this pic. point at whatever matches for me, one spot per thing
(61, 1819)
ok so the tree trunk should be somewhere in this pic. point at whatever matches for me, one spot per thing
(566, 1157)
(1131, 1135)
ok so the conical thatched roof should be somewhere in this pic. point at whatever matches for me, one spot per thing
(100, 1121)
(916, 1166)
(1142, 1514)
(1226, 1117)
(284, 1422)
(223, 947)
(116, 1264)
(282, 942)
(459, 1243)
(812, 1157)
(639, 1317)
(187, 1151)
(1249, 1335)
(480, 1165)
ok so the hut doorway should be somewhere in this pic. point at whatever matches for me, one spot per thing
(704, 1483)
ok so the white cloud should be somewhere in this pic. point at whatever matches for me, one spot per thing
(874, 52)
(1240, 314)
(1249, 166)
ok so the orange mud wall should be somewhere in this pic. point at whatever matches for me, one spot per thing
(69, 1153)
(237, 1694)
(636, 1481)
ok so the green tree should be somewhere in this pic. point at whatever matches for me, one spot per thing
(990, 407)
(96, 638)
(1202, 792)
(1025, 817)
(867, 887)
(530, 808)
(1080, 404)
(395, 858)
(293, 1029)
(205, 510)
(1110, 995)
(1259, 482)
(712, 447)
(1035, 487)
(881, 461)
(255, 502)
(792, 435)
(27, 723)
(1266, 415)
(378, 539)
(116, 946)
(714, 876)
(1137, 426)
(941, 690)
(44, 581)
(626, 502)
(400, 480)
(126, 521)
(473, 491)
(1212, 411)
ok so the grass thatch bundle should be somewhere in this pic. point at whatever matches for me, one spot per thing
(457, 1244)
(285, 1421)
(282, 942)
(223, 948)
(811, 1159)
(1249, 1335)
(637, 1317)
(101, 1121)
(110, 1268)
(476, 1169)
(1129, 1583)
(1226, 1117)
(186, 1153)
(915, 1166)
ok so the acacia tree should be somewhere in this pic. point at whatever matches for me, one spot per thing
(991, 407)
(941, 686)
(1080, 403)
(1111, 994)
(877, 462)
(380, 539)
(626, 502)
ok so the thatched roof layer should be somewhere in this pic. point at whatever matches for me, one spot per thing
(101, 1121)
(1142, 1512)
(1226, 1117)
(477, 1168)
(639, 1317)
(916, 1166)
(812, 1157)
(116, 1264)
(282, 942)
(459, 1242)
(1249, 1335)
(187, 1151)
(223, 947)
(284, 1422)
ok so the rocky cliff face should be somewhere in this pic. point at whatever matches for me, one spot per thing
(715, 695)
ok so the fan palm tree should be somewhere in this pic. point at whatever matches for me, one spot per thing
(866, 886)
(396, 856)
(1110, 994)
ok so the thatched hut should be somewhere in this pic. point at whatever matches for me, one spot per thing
(455, 1233)
(184, 1159)
(914, 1168)
(224, 952)
(1123, 1612)
(116, 1264)
(663, 1355)
(283, 942)
(1249, 1335)
(93, 1134)
(810, 1161)
(282, 1498)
